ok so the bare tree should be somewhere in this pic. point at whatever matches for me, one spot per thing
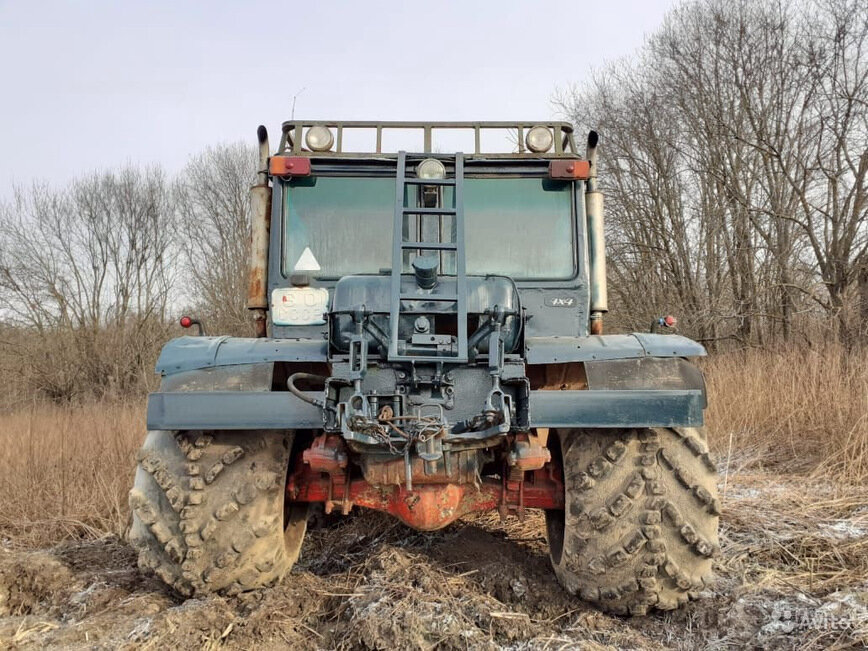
(736, 156)
(214, 218)
(87, 273)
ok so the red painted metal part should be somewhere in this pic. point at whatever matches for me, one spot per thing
(569, 169)
(289, 166)
(327, 455)
(427, 506)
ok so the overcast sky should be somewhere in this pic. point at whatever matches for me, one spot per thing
(94, 84)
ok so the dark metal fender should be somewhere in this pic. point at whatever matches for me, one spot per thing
(202, 389)
(640, 392)
(645, 374)
(561, 350)
(190, 353)
(231, 410)
(616, 409)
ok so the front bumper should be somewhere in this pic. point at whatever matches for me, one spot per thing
(238, 410)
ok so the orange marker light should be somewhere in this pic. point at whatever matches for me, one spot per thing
(570, 169)
(289, 166)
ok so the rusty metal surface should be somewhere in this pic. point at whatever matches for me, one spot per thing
(257, 297)
(260, 225)
(323, 475)
(327, 454)
(462, 468)
(596, 324)
(527, 454)
(557, 377)
(431, 506)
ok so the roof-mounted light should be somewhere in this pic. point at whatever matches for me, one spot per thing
(431, 168)
(319, 138)
(539, 139)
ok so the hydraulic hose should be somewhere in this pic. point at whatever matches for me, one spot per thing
(301, 395)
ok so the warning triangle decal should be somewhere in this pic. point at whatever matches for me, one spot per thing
(307, 261)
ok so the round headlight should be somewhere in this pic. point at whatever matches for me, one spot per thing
(431, 168)
(319, 138)
(539, 139)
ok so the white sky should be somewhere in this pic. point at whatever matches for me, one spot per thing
(92, 84)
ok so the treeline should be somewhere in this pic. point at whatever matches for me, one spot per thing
(734, 156)
(94, 275)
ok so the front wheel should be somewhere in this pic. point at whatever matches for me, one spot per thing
(639, 527)
(209, 512)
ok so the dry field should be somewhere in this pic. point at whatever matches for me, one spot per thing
(790, 431)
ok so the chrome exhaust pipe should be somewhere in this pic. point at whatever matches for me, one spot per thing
(596, 241)
(260, 228)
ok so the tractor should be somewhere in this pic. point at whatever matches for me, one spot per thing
(429, 343)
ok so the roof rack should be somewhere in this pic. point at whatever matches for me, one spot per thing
(294, 132)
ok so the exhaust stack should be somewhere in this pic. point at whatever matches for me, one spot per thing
(260, 227)
(596, 240)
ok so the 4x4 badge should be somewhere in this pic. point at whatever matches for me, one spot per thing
(561, 301)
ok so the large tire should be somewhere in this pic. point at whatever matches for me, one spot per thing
(639, 529)
(208, 510)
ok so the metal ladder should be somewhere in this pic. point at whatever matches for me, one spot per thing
(400, 245)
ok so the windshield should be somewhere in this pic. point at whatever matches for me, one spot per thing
(518, 227)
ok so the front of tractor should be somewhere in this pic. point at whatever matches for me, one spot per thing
(429, 344)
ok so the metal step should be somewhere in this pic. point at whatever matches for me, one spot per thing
(416, 181)
(429, 211)
(429, 246)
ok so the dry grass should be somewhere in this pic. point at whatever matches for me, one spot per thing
(65, 472)
(800, 410)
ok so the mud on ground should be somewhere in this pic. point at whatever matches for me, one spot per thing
(793, 574)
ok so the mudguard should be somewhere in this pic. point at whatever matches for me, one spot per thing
(189, 353)
(561, 350)
(635, 380)
(225, 383)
